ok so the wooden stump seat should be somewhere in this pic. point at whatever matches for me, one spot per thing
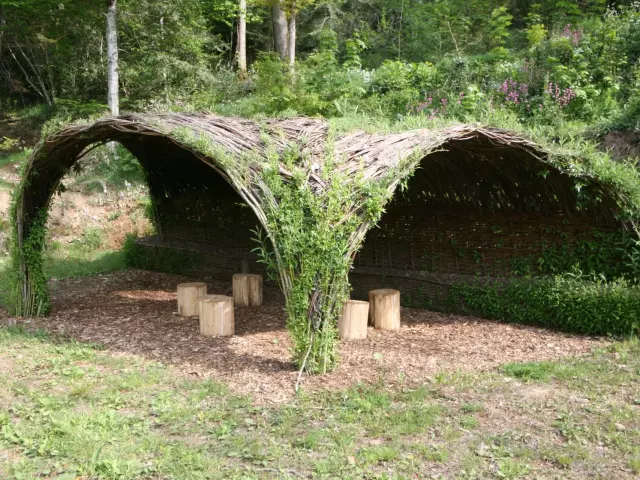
(247, 290)
(217, 316)
(352, 325)
(384, 309)
(188, 295)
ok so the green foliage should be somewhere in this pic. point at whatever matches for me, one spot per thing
(568, 302)
(310, 248)
(536, 34)
(379, 58)
(18, 158)
(91, 238)
(611, 255)
(499, 22)
(530, 371)
(34, 300)
(120, 170)
(279, 91)
(77, 261)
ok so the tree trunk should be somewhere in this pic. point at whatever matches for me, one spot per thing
(280, 31)
(291, 51)
(112, 59)
(35, 81)
(242, 40)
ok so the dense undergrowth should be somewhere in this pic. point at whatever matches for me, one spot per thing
(549, 65)
(569, 302)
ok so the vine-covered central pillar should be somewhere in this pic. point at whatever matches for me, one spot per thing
(315, 228)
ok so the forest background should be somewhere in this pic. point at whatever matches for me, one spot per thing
(556, 65)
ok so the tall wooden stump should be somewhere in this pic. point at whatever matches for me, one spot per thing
(207, 297)
(384, 309)
(247, 290)
(352, 325)
(188, 294)
(217, 316)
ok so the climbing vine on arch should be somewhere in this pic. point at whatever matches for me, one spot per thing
(316, 233)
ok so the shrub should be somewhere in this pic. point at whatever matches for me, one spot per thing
(567, 302)
(92, 238)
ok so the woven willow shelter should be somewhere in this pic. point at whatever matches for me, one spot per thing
(476, 199)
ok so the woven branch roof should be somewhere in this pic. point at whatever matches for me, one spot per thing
(377, 152)
(468, 165)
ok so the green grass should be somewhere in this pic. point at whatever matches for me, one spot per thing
(15, 157)
(72, 410)
(81, 263)
(76, 260)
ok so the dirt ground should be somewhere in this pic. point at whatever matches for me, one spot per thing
(134, 312)
(114, 213)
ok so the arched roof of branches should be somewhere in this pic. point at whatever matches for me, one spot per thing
(465, 165)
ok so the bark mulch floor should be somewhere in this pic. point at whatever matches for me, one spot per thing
(134, 312)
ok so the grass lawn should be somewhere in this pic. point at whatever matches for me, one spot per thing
(59, 263)
(71, 410)
(80, 262)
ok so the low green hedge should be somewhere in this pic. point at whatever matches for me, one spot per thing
(565, 302)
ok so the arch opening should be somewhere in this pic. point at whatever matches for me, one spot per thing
(476, 209)
(194, 204)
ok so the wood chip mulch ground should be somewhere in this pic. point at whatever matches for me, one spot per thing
(134, 312)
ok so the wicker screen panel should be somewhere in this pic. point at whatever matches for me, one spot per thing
(415, 239)
(193, 203)
(480, 212)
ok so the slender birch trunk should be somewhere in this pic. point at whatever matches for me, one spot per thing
(280, 30)
(291, 50)
(242, 40)
(113, 99)
(112, 59)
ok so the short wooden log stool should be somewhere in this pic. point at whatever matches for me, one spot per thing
(247, 290)
(352, 325)
(207, 297)
(217, 316)
(188, 294)
(384, 309)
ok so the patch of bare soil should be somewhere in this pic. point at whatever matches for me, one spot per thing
(6, 365)
(135, 312)
(72, 213)
(622, 144)
(10, 173)
(5, 203)
(115, 213)
(9, 457)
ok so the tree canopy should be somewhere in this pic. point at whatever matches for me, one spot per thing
(544, 58)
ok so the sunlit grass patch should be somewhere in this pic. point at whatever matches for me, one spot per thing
(73, 409)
